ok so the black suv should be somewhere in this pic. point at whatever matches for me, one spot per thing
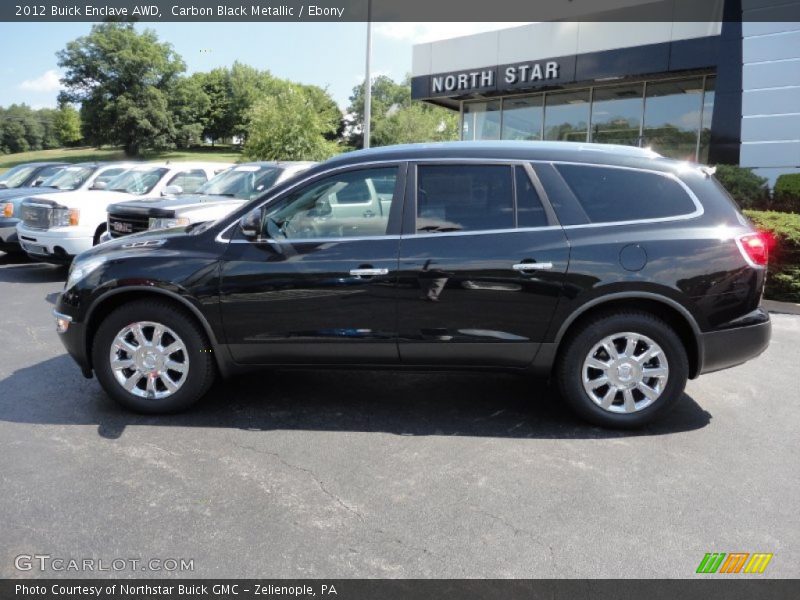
(614, 271)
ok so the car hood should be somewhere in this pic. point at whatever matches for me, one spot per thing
(23, 192)
(168, 207)
(134, 243)
(76, 198)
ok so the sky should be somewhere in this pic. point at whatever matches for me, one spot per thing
(330, 55)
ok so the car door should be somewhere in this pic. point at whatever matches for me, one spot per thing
(482, 264)
(319, 285)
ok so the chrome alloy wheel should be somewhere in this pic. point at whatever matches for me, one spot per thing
(625, 372)
(149, 360)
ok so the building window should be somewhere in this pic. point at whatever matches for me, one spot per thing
(617, 114)
(481, 121)
(672, 117)
(566, 116)
(523, 118)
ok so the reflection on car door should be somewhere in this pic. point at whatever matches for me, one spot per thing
(482, 265)
(322, 282)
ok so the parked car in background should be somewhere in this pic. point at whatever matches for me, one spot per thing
(613, 271)
(56, 228)
(28, 174)
(68, 178)
(215, 199)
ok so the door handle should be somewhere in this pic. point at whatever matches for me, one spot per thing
(368, 272)
(522, 267)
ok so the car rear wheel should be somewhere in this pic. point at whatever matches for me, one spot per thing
(152, 357)
(623, 370)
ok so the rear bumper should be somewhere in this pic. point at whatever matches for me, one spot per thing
(733, 346)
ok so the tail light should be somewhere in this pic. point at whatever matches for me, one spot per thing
(754, 248)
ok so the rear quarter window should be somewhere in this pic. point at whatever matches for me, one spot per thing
(610, 195)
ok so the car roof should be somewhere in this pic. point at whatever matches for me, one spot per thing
(505, 150)
(278, 163)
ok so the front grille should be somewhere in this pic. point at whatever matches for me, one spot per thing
(120, 225)
(37, 216)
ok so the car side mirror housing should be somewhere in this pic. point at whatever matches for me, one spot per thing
(172, 190)
(250, 224)
(99, 185)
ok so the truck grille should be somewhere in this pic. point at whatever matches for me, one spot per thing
(37, 216)
(120, 225)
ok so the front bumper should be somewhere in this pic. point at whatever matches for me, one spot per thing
(71, 334)
(59, 245)
(8, 234)
(735, 345)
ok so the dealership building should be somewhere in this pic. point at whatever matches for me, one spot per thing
(726, 91)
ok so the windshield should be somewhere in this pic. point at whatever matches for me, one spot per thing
(16, 177)
(137, 181)
(70, 178)
(245, 182)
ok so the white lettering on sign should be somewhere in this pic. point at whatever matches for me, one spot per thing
(531, 73)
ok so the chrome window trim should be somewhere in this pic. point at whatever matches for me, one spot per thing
(699, 210)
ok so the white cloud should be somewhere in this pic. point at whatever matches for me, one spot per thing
(418, 33)
(46, 82)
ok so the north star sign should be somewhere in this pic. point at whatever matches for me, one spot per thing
(481, 79)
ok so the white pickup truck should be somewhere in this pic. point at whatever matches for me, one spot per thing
(57, 227)
(217, 198)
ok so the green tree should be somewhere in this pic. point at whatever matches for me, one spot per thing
(396, 118)
(286, 125)
(67, 123)
(747, 188)
(189, 106)
(217, 121)
(122, 79)
(415, 123)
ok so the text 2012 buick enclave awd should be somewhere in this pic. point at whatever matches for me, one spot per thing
(614, 271)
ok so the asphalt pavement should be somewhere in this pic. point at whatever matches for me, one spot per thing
(385, 474)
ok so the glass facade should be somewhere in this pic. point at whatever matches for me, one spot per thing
(672, 116)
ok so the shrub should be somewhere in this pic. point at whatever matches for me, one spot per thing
(786, 195)
(783, 280)
(748, 189)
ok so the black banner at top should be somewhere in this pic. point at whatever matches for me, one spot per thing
(399, 10)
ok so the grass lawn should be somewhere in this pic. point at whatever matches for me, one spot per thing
(205, 153)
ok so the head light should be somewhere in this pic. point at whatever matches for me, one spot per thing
(167, 223)
(8, 210)
(80, 270)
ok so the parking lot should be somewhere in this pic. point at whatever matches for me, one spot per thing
(384, 474)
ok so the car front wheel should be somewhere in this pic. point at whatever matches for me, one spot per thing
(152, 357)
(623, 370)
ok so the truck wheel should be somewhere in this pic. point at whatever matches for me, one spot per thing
(623, 370)
(151, 357)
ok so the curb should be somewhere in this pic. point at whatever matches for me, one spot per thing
(786, 308)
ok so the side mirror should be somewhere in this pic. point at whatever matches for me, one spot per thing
(99, 185)
(37, 183)
(172, 190)
(250, 224)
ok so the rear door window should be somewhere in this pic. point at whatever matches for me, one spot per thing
(464, 198)
(610, 195)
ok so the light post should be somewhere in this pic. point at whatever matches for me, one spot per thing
(368, 79)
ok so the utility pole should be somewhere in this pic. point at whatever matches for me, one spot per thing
(368, 79)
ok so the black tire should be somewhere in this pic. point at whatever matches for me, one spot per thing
(568, 369)
(201, 367)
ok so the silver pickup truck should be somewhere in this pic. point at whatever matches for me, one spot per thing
(218, 197)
